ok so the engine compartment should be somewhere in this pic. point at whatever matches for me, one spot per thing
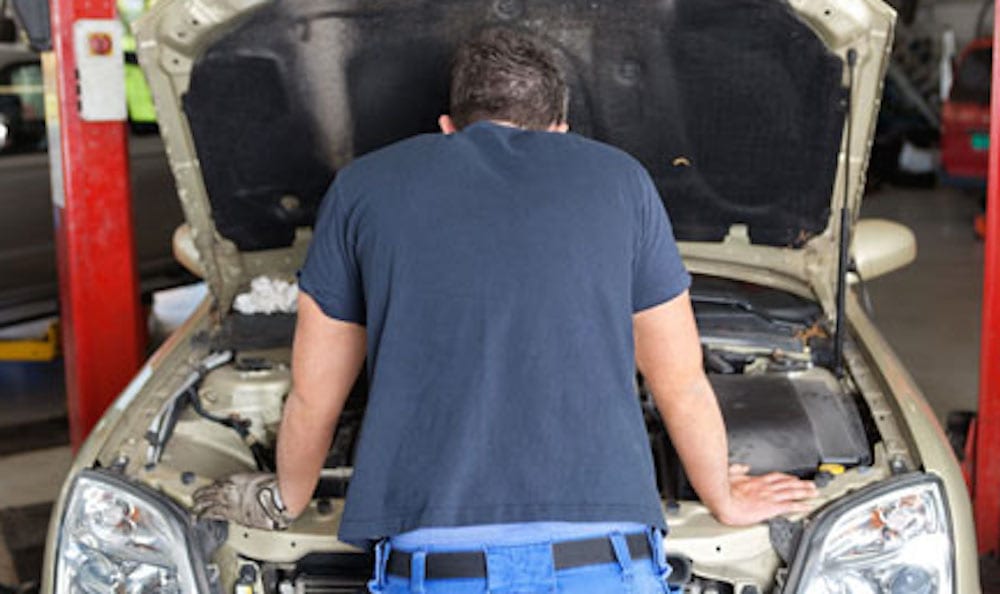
(766, 353)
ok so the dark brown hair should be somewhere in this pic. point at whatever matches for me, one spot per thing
(503, 74)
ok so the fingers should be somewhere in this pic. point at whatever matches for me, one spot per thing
(758, 498)
(215, 499)
(777, 477)
(214, 512)
(237, 498)
(775, 482)
(738, 469)
(789, 483)
(794, 492)
(749, 511)
(206, 499)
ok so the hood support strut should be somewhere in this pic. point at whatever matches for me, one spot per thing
(845, 232)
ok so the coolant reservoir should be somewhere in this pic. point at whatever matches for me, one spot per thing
(252, 392)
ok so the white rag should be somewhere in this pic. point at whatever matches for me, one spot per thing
(268, 296)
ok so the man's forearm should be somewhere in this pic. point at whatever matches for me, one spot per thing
(326, 358)
(691, 415)
(303, 443)
(668, 354)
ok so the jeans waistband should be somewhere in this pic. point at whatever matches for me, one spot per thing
(507, 565)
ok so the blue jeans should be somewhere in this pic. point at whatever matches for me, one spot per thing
(530, 569)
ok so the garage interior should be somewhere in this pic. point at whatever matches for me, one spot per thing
(930, 312)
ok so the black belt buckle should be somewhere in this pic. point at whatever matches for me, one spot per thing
(566, 555)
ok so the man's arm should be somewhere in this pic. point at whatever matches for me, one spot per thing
(327, 356)
(668, 353)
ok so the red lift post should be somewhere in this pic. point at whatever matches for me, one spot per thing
(986, 481)
(102, 322)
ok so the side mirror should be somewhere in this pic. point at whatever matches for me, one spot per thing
(881, 246)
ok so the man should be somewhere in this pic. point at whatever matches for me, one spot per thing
(503, 278)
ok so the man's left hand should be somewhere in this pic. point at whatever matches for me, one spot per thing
(754, 499)
(250, 499)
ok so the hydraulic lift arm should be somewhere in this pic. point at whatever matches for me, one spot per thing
(102, 321)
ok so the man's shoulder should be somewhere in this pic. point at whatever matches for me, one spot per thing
(609, 155)
(391, 158)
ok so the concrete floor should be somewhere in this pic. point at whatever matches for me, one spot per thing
(33, 435)
(929, 312)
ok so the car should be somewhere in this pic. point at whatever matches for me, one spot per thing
(754, 119)
(965, 118)
(29, 287)
(22, 118)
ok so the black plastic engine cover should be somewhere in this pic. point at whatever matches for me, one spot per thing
(790, 423)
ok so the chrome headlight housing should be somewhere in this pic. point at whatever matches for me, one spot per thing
(891, 538)
(116, 536)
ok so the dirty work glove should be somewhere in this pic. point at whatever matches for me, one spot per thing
(250, 499)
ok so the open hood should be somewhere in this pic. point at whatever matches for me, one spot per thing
(737, 108)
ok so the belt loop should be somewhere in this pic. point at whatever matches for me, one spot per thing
(418, 569)
(624, 556)
(377, 583)
(657, 546)
(655, 536)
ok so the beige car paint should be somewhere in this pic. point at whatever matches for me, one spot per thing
(924, 437)
(176, 31)
(880, 246)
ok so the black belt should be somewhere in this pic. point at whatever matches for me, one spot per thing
(566, 555)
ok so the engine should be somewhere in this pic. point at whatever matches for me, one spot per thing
(766, 354)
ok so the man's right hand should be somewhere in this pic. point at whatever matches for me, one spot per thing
(754, 499)
(251, 499)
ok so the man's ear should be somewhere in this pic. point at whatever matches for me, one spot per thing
(447, 124)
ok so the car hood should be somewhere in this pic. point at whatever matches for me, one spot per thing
(736, 107)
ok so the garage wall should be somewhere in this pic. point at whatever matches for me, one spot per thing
(958, 15)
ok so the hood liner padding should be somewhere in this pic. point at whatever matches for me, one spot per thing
(735, 106)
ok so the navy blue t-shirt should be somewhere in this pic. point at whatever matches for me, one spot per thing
(496, 271)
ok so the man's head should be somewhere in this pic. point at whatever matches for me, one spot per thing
(510, 77)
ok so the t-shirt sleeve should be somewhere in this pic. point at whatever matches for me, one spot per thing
(659, 274)
(331, 274)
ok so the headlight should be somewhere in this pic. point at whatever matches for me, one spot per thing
(891, 539)
(117, 537)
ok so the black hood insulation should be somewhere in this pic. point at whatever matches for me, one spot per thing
(735, 106)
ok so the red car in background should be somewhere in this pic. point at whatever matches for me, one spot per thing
(965, 118)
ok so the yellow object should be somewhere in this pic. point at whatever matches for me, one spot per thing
(45, 348)
(834, 469)
(137, 95)
(139, 100)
